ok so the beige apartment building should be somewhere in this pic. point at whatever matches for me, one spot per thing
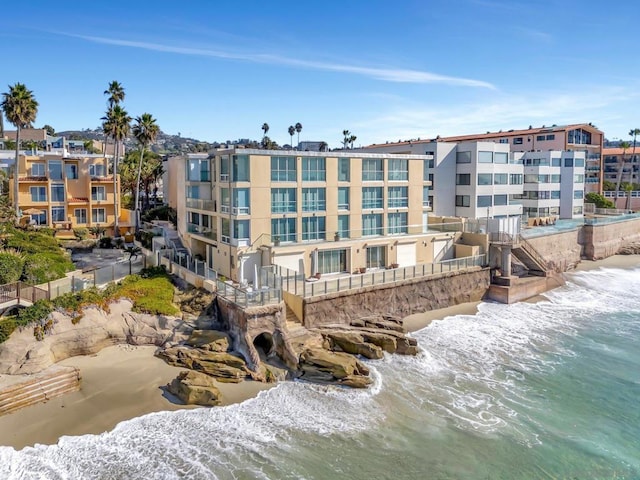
(65, 192)
(312, 212)
(579, 137)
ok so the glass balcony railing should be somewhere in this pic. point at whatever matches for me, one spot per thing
(201, 204)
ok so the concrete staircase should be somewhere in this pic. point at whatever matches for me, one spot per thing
(531, 259)
(23, 391)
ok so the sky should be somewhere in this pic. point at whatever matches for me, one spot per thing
(385, 71)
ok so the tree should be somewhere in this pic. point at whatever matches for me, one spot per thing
(298, 129)
(20, 108)
(269, 144)
(346, 134)
(599, 200)
(352, 139)
(265, 129)
(291, 131)
(116, 94)
(624, 146)
(116, 124)
(146, 131)
(50, 130)
(634, 132)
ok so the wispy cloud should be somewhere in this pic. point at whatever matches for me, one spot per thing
(537, 35)
(398, 75)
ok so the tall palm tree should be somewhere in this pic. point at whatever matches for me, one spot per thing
(624, 146)
(298, 129)
(352, 139)
(346, 137)
(20, 108)
(116, 94)
(634, 132)
(265, 129)
(291, 131)
(116, 124)
(146, 131)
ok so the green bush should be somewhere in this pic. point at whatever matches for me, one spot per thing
(46, 266)
(599, 200)
(11, 265)
(7, 326)
(105, 242)
(81, 233)
(37, 312)
(165, 212)
(31, 242)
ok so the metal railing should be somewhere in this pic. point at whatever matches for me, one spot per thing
(248, 297)
(534, 254)
(22, 291)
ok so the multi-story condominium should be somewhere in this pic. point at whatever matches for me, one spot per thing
(625, 161)
(67, 191)
(581, 137)
(312, 212)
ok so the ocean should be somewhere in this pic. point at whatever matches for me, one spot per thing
(547, 390)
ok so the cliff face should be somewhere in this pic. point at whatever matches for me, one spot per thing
(22, 354)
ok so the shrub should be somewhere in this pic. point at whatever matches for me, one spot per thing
(153, 295)
(599, 200)
(81, 233)
(46, 266)
(11, 265)
(31, 242)
(7, 326)
(105, 242)
(165, 212)
(37, 312)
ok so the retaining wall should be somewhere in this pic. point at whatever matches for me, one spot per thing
(602, 241)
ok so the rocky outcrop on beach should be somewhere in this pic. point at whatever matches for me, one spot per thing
(630, 249)
(323, 366)
(223, 366)
(195, 388)
(22, 354)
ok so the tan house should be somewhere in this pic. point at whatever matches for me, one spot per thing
(65, 192)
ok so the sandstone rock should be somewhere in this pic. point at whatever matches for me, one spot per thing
(195, 388)
(222, 372)
(317, 362)
(212, 340)
(224, 366)
(384, 325)
(353, 343)
(355, 381)
(385, 342)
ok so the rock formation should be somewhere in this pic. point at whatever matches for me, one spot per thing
(195, 388)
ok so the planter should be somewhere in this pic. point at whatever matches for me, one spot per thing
(317, 275)
(362, 270)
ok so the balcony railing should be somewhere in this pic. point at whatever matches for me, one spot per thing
(201, 204)
(201, 231)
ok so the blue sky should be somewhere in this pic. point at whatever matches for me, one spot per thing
(384, 70)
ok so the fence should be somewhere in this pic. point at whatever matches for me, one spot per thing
(295, 283)
(21, 291)
(247, 297)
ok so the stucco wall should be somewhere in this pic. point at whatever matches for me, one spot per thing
(602, 241)
(401, 298)
(563, 249)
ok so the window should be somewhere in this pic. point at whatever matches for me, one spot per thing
(55, 169)
(517, 141)
(57, 192)
(536, 162)
(98, 215)
(551, 137)
(578, 179)
(485, 179)
(556, 162)
(515, 179)
(372, 170)
(427, 166)
(372, 197)
(71, 171)
(503, 140)
(313, 169)
(577, 210)
(284, 229)
(80, 215)
(397, 197)
(283, 200)
(463, 200)
(485, 157)
(241, 230)
(376, 257)
(283, 169)
(501, 157)
(579, 136)
(371, 224)
(397, 223)
(578, 194)
(225, 168)
(555, 178)
(194, 218)
(578, 162)
(225, 200)
(426, 202)
(343, 198)
(226, 230)
(555, 194)
(343, 226)
(540, 138)
(500, 178)
(38, 194)
(500, 200)
(314, 199)
(313, 228)
(37, 170)
(98, 194)
(241, 201)
(332, 261)
(58, 214)
(344, 170)
(463, 157)
(199, 170)
(398, 169)
(193, 191)
(240, 168)
(568, 162)
(484, 200)
(463, 179)
(96, 170)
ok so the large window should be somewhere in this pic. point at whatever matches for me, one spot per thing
(578, 194)
(58, 214)
(579, 136)
(199, 170)
(225, 168)
(241, 201)
(343, 198)
(98, 215)
(241, 230)
(57, 192)
(500, 200)
(556, 162)
(515, 179)
(283, 229)
(314, 199)
(283, 200)
(426, 199)
(397, 197)
(193, 191)
(463, 157)
(344, 173)
(38, 194)
(343, 226)
(578, 179)
(240, 168)
(371, 224)
(37, 170)
(226, 230)
(372, 170)
(332, 261)
(500, 178)
(80, 215)
(501, 157)
(463, 200)
(71, 171)
(313, 228)
(372, 197)
(555, 178)
(283, 169)
(55, 169)
(98, 194)
(313, 169)
(397, 223)
(568, 162)
(485, 179)
(463, 179)
(484, 200)
(96, 170)
(376, 257)
(485, 157)
(225, 200)
(398, 169)
(579, 162)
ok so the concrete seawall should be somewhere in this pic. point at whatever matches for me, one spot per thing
(605, 240)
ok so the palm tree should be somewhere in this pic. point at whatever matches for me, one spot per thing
(291, 130)
(116, 124)
(116, 94)
(265, 129)
(352, 139)
(624, 146)
(634, 132)
(298, 129)
(146, 131)
(20, 108)
(347, 136)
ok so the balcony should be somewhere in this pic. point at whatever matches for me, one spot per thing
(235, 210)
(102, 179)
(201, 231)
(32, 179)
(199, 204)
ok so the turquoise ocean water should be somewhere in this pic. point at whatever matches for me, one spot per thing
(526, 391)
